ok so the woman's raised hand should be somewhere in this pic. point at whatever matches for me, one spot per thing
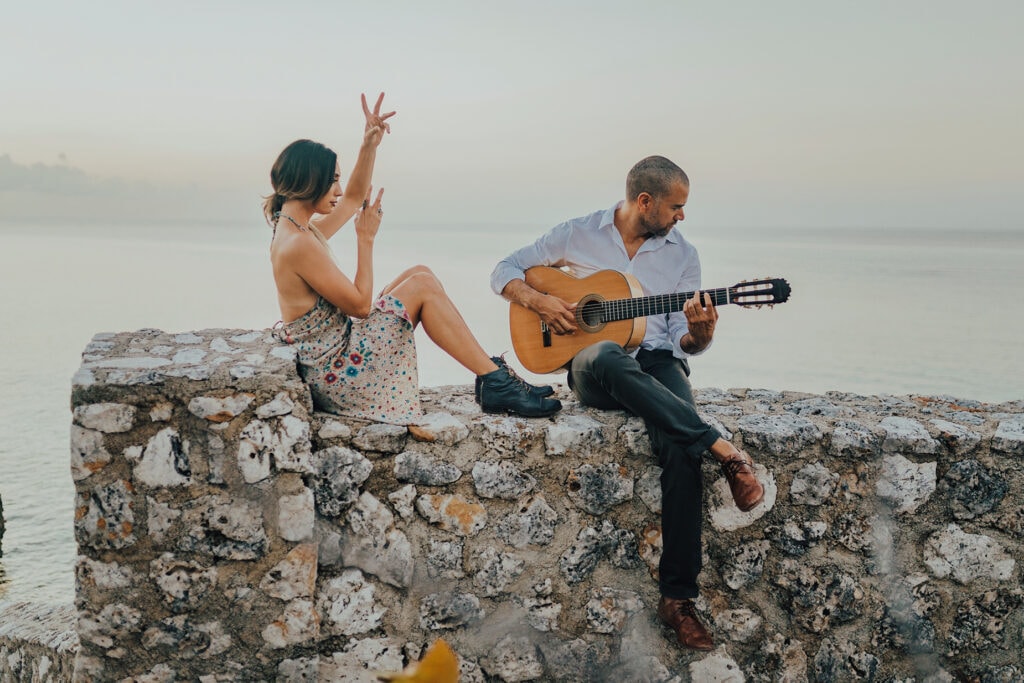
(376, 123)
(368, 218)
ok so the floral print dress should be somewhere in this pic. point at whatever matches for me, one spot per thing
(359, 368)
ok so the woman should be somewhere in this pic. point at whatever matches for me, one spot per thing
(357, 352)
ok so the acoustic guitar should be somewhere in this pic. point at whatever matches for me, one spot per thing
(611, 306)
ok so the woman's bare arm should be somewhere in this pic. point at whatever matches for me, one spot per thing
(359, 180)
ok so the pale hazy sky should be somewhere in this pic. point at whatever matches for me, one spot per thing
(835, 114)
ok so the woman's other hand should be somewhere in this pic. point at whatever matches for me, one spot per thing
(368, 218)
(376, 123)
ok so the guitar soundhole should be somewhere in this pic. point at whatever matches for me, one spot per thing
(588, 313)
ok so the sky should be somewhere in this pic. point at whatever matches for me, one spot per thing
(815, 114)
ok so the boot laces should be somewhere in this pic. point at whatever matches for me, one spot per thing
(684, 608)
(734, 466)
(512, 373)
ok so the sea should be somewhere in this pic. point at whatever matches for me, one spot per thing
(872, 311)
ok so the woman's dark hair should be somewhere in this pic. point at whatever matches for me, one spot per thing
(303, 170)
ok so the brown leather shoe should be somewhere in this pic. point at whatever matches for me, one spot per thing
(746, 489)
(681, 617)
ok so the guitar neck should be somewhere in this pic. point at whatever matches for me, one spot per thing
(659, 304)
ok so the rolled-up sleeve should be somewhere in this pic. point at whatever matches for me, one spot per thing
(548, 250)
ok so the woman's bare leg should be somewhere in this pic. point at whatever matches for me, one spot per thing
(425, 300)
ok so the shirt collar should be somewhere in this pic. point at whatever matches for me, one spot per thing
(608, 223)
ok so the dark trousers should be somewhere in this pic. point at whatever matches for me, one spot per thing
(654, 387)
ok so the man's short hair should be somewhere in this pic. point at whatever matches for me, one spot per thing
(654, 175)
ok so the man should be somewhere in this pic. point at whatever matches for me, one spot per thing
(638, 236)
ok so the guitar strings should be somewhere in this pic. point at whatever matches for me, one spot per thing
(624, 309)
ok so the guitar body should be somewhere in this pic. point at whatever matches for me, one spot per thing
(542, 351)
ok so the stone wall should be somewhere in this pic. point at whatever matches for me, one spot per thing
(228, 532)
(37, 642)
(1, 526)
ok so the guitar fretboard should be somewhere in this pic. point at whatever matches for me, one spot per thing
(659, 304)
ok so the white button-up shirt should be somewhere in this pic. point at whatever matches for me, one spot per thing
(662, 265)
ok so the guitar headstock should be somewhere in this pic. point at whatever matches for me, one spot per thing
(763, 292)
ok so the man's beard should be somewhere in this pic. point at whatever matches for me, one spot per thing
(652, 229)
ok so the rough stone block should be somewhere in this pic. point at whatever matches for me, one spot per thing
(164, 461)
(441, 611)
(966, 557)
(403, 501)
(360, 660)
(501, 480)
(444, 559)
(222, 528)
(1009, 437)
(505, 437)
(381, 438)
(104, 517)
(779, 434)
(633, 435)
(740, 625)
(495, 571)
(281, 404)
(813, 484)
(577, 434)
(971, 489)
(421, 468)
(294, 576)
(592, 546)
(843, 660)
(443, 428)
(514, 659)
(220, 409)
(818, 405)
(182, 583)
(347, 605)
(854, 438)
(534, 522)
(648, 488)
(905, 485)
(957, 438)
(453, 513)
(820, 597)
(297, 625)
(746, 564)
(608, 609)
(88, 454)
(296, 516)
(578, 661)
(109, 418)
(598, 488)
(370, 542)
(905, 435)
(339, 474)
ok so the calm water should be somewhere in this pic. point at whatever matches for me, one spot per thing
(878, 311)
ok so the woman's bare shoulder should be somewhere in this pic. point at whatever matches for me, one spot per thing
(294, 246)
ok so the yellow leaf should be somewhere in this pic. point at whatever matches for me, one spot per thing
(439, 665)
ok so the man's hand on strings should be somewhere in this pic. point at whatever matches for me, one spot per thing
(701, 317)
(559, 315)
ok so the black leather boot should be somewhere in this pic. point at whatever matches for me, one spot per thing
(502, 391)
(541, 391)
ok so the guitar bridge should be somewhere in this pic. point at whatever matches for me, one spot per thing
(545, 333)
